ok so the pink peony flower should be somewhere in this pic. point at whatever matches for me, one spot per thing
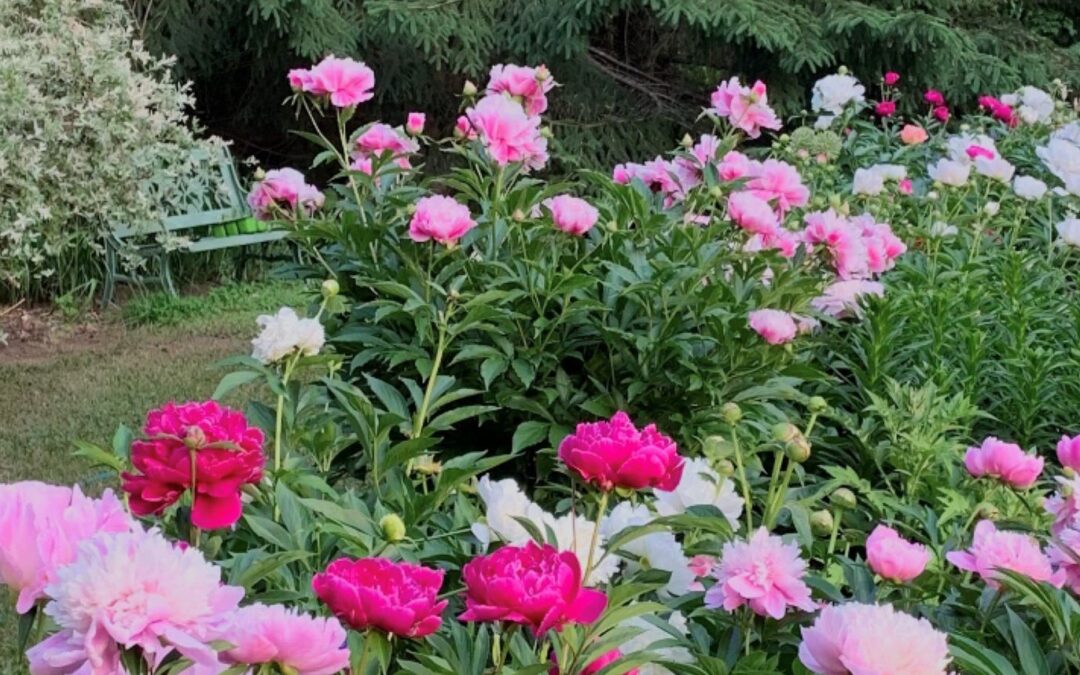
(843, 240)
(507, 132)
(615, 453)
(414, 124)
(596, 666)
(704, 151)
(274, 634)
(893, 557)
(774, 326)
(345, 81)
(885, 108)
(41, 527)
(300, 79)
(745, 108)
(228, 454)
(1064, 555)
(752, 213)
(913, 134)
(528, 85)
(841, 299)
(571, 214)
(779, 181)
(134, 589)
(881, 245)
(624, 173)
(1068, 452)
(440, 218)
(1004, 461)
(764, 573)
(381, 141)
(734, 166)
(283, 189)
(993, 549)
(701, 566)
(941, 114)
(891, 79)
(399, 598)
(905, 186)
(848, 639)
(934, 97)
(975, 151)
(533, 585)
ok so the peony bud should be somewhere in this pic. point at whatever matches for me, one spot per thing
(842, 70)
(716, 192)
(518, 216)
(817, 404)
(731, 412)
(469, 89)
(798, 449)
(725, 468)
(542, 73)
(393, 527)
(821, 522)
(330, 288)
(546, 133)
(426, 464)
(260, 174)
(991, 208)
(687, 141)
(784, 432)
(717, 447)
(195, 437)
(843, 498)
(784, 138)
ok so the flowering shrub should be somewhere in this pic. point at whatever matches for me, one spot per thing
(610, 425)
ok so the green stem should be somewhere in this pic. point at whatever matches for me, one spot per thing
(595, 537)
(361, 668)
(740, 467)
(837, 516)
(279, 421)
(778, 501)
(421, 414)
(778, 461)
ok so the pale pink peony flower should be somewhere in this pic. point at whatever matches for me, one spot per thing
(775, 326)
(752, 214)
(440, 218)
(614, 453)
(1064, 505)
(274, 634)
(701, 566)
(134, 589)
(345, 81)
(528, 85)
(285, 190)
(41, 527)
(913, 134)
(893, 557)
(572, 214)
(1005, 461)
(764, 573)
(508, 133)
(843, 239)
(734, 166)
(992, 550)
(881, 245)
(842, 299)
(415, 122)
(745, 108)
(1064, 555)
(704, 151)
(1068, 452)
(858, 639)
(779, 181)
(381, 141)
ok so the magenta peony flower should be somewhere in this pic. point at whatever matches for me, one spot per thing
(381, 141)
(745, 108)
(934, 97)
(134, 589)
(533, 585)
(862, 639)
(734, 166)
(274, 634)
(615, 453)
(885, 108)
(529, 86)
(752, 213)
(763, 572)
(775, 326)
(41, 527)
(779, 181)
(975, 151)
(286, 190)
(440, 218)
(345, 81)
(893, 557)
(842, 299)
(414, 124)
(571, 214)
(941, 114)
(507, 132)
(399, 598)
(1068, 452)
(596, 666)
(993, 549)
(228, 454)
(1004, 461)
(891, 78)
(905, 186)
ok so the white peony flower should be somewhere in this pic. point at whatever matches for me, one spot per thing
(895, 172)
(1062, 157)
(1010, 99)
(833, 92)
(941, 230)
(285, 332)
(504, 501)
(992, 208)
(1027, 187)
(658, 550)
(1069, 231)
(824, 122)
(950, 172)
(575, 534)
(997, 168)
(867, 182)
(650, 635)
(700, 485)
(1035, 105)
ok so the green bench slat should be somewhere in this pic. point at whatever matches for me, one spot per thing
(185, 221)
(214, 243)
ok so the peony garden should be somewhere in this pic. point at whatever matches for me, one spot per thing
(799, 395)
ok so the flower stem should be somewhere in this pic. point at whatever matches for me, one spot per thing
(361, 668)
(595, 538)
(278, 424)
(743, 483)
(837, 517)
(421, 414)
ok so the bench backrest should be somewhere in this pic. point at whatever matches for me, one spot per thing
(199, 204)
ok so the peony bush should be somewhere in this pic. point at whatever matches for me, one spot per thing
(696, 417)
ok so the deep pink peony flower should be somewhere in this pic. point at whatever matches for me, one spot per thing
(893, 557)
(1004, 461)
(779, 181)
(399, 598)
(734, 166)
(507, 132)
(885, 108)
(858, 639)
(941, 113)
(752, 213)
(905, 186)
(528, 85)
(572, 214)
(381, 141)
(134, 589)
(415, 122)
(440, 218)
(934, 97)
(596, 666)
(533, 585)
(891, 78)
(975, 151)
(774, 326)
(284, 189)
(41, 527)
(274, 634)
(745, 108)
(228, 454)
(345, 81)
(615, 453)
(993, 549)
(1068, 452)
(765, 573)
(913, 134)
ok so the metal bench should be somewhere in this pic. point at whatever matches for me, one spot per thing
(219, 221)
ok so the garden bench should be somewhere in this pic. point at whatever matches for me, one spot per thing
(213, 221)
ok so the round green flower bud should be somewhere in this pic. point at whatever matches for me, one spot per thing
(330, 288)
(725, 468)
(844, 498)
(784, 432)
(821, 523)
(518, 216)
(687, 141)
(716, 192)
(988, 511)
(393, 527)
(817, 404)
(469, 89)
(731, 412)
(798, 449)
(717, 447)
(260, 173)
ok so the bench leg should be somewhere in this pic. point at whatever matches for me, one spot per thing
(108, 290)
(166, 274)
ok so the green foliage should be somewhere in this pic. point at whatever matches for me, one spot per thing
(163, 309)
